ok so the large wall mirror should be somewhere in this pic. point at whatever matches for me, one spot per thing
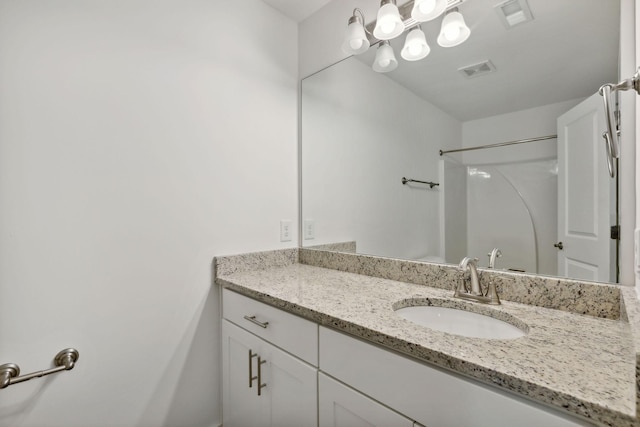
(363, 131)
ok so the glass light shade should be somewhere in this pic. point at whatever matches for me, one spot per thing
(385, 59)
(426, 10)
(355, 39)
(389, 24)
(454, 30)
(415, 46)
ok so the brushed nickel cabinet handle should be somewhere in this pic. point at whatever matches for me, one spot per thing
(253, 320)
(251, 376)
(260, 384)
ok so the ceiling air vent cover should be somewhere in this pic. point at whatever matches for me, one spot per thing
(513, 12)
(479, 69)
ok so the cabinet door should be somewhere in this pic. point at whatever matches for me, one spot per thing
(341, 406)
(288, 395)
(241, 405)
(292, 389)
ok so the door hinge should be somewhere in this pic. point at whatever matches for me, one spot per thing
(615, 232)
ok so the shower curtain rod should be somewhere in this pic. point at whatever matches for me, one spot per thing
(501, 144)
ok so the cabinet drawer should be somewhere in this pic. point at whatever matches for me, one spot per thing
(294, 334)
(427, 394)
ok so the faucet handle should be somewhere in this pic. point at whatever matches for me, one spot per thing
(460, 287)
(492, 294)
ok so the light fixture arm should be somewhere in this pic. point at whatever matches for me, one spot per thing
(354, 17)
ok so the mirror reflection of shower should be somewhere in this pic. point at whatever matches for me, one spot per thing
(511, 205)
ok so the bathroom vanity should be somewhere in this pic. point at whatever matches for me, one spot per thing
(304, 344)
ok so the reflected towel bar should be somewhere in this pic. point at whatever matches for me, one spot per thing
(65, 360)
(501, 144)
(612, 134)
(429, 183)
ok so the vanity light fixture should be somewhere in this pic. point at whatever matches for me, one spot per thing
(454, 30)
(392, 21)
(426, 10)
(389, 24)
(385, 58)
(355, 39)
(415, 45)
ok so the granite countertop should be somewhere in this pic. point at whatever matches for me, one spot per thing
(578, 363)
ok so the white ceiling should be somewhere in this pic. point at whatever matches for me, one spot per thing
(298, 10)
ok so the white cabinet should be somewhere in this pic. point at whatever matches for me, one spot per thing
(341, 406)
(263, 385)
(429, 395)
(274, 366)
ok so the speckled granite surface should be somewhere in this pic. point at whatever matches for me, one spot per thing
(551, 292)
(582, 364)
(632, 314)
(254, 261)
(348, 247)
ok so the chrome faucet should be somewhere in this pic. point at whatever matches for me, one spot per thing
(471, 265)
(473, 291)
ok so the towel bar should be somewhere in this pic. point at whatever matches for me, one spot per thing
(65, 360)
(429, 183)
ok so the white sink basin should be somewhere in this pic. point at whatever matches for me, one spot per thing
(460, 322)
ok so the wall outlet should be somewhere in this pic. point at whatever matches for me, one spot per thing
(285, 230)
(309, 229)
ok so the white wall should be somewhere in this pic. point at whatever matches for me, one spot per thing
(138, 140)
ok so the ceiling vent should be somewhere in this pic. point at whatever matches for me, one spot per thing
(476, 70)
(513, 12)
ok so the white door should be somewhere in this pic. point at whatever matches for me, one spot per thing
(584, 195)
